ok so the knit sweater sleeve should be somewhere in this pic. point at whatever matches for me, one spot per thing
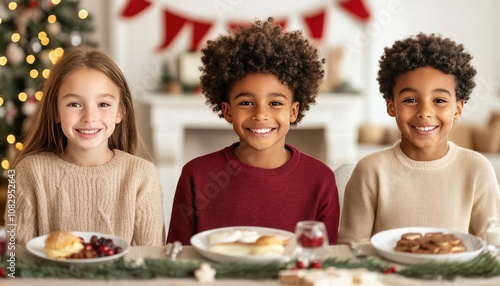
(486, 195)
(149, 224)
(25, 215)
(358, 213)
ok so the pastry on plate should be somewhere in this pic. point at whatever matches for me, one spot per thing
(62, 244)
(246, 242)
(269, 245)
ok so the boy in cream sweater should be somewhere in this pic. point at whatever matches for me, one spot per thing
(423, 180)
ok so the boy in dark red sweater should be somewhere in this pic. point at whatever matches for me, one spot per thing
(261, 80)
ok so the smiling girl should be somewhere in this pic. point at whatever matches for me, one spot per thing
(77, 170)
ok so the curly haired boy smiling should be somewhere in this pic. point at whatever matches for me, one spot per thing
(261, 80)
(423, 180)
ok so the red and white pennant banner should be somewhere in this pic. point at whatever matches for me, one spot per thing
(174, 22)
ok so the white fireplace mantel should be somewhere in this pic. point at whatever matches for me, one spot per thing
(170, 117)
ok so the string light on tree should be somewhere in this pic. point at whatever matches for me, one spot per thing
(5, 164)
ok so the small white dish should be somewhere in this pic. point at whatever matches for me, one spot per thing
(36, 246)
(200, 242)
(385, 241)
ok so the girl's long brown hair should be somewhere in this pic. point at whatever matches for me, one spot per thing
(45, 135)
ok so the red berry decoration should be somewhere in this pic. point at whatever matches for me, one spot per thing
(299, 264)
(316, 264)
(3, 274)
(390, 270)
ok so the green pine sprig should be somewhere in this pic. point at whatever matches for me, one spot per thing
(484, 265)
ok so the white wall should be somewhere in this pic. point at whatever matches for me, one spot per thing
(133, 42)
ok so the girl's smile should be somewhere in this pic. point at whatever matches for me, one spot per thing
(88, 133)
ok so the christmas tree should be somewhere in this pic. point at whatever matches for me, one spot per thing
(33, 35)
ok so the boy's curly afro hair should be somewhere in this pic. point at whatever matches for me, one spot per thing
(262, 47)
(426, 51)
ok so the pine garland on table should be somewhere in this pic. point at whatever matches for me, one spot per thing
(151, 268)
(485, 265)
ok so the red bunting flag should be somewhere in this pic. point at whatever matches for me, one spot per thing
(357, 8)
(199, 31)
(315, 23)
(135, 7)
(172, 25)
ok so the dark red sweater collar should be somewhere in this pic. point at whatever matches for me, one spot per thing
(235, 163)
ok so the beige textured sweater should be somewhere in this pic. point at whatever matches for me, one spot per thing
(389, 190)
(122, 197)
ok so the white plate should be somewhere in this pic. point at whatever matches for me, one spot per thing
(200, 243)
(385, 241)
(37, 247)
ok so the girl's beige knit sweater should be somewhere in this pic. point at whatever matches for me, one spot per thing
(122, 197)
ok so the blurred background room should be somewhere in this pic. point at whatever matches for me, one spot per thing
(157, 43)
